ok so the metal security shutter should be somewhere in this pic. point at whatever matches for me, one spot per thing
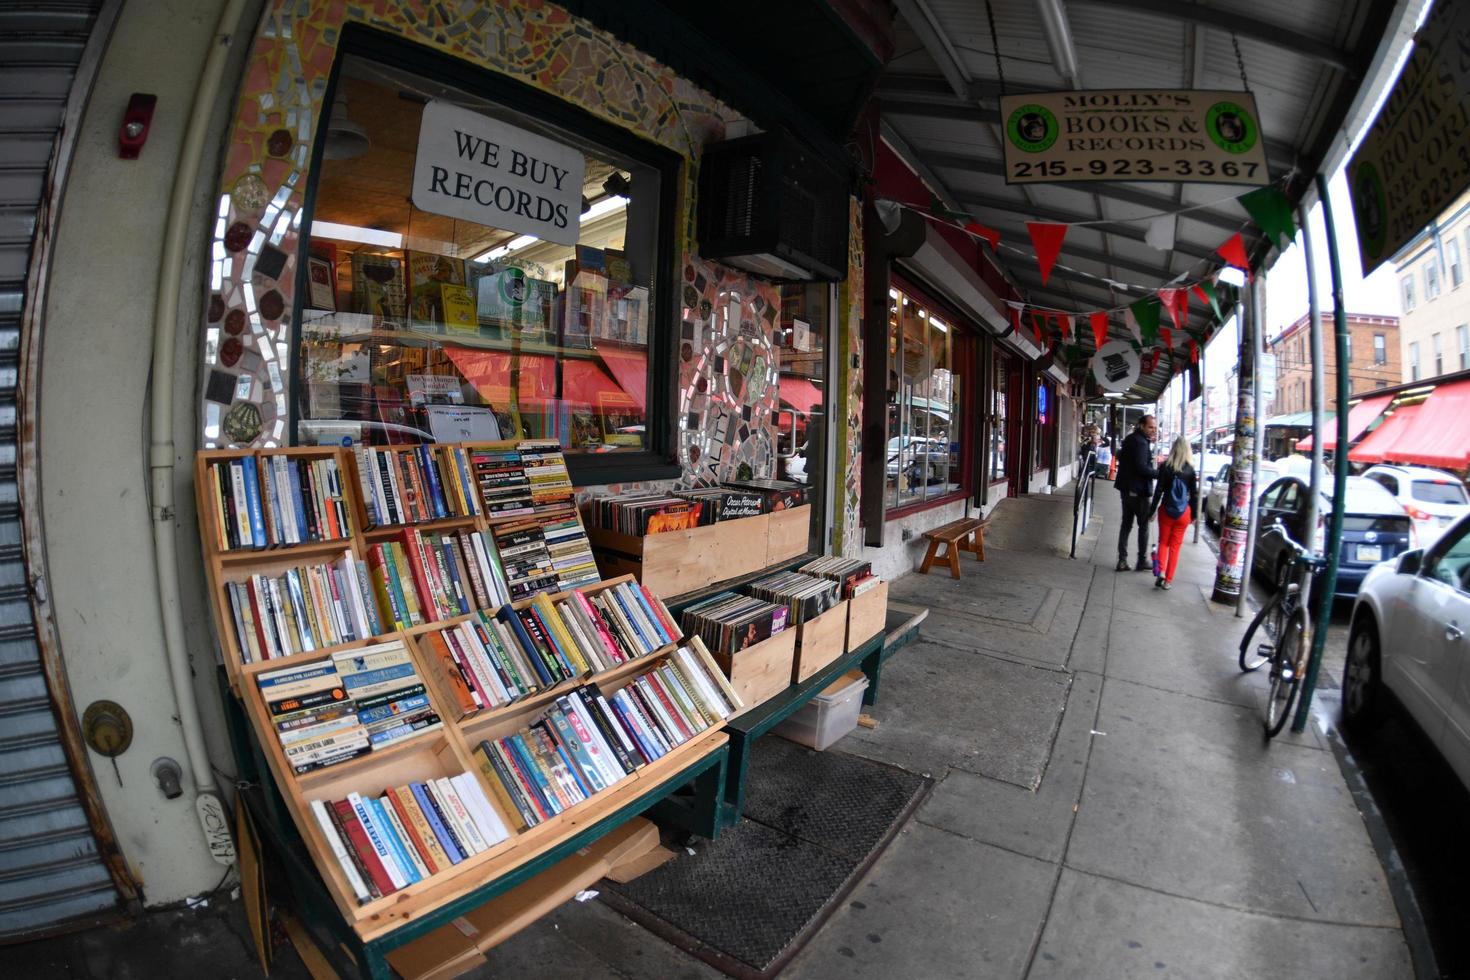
(50, 870)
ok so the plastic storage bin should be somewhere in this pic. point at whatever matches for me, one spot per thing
(828, 716)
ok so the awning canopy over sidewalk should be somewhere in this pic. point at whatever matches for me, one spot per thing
(1374, 449)
(1360, 416)
(1309, 64)
(1439, 434)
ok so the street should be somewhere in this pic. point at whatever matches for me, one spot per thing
(1420, 802)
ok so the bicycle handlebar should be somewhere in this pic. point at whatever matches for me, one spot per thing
(1302, 552)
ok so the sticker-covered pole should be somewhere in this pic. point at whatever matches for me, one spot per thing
(1235, 515)
(1258, 342)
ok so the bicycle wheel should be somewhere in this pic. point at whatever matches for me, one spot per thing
(1286, 672)
(1260, 639)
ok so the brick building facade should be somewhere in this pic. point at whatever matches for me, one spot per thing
(1374, 360)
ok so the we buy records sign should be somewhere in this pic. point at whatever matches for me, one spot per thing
(1185, 135)
(1415, 159)
(475, 168)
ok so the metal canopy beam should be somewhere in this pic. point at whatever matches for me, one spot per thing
(1113, 192)
(1068, 217)
(911, 157)
(1132, 265)
(1273, 34)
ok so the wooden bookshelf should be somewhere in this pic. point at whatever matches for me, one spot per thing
(446, 750)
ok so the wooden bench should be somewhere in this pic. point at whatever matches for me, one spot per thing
(966, 534)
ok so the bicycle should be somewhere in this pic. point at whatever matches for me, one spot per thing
(1284, 623)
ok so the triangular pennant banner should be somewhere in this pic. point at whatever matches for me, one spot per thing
(1193, 352)
(1161, 231)
(1131, 322)
(1146, 313)
(1099, 329)
(981, 231)
(1047, 239)
(1270, 210)
(1151, 361)
(938, 209)
(1176, 301)
(1168, 337)
(1064, 324)
(1232, 251)
(1038, 326)
(1206, 291)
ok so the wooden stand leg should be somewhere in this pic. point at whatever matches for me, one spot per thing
(929, 556)
(980, 545)
(952, 552)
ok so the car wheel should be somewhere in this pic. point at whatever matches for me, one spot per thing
(1362, 677)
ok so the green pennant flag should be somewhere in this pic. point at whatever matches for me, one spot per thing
(1206, 290)
(937, 208)
(1146, 313)
(1271, 211)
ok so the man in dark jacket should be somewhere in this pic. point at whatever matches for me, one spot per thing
(1135, 483)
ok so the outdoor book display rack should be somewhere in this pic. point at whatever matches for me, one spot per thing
(370, 930)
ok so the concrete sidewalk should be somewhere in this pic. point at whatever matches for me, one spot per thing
(1106, 805)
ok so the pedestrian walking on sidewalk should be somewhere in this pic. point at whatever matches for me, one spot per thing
(1177, 501)
(1135, 483)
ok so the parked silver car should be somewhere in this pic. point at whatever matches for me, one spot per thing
(1408, 639)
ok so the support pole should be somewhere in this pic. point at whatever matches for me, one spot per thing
(1323, 613)
(1318, 383)
(1204, 411)
(1234, 516)
(1258, 344)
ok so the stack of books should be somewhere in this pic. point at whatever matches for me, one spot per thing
(409, 833)
(587, 741)
(546, 551)
(853, 575)
(488, 662)
(729, 622)
(303, 609)
(423, 578)
(415, 484)
(505, 490)
(389, 695)
(546, 473)
(804, 596)
(342, 706)
(277, 500)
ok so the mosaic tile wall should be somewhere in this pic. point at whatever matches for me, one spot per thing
(847, 538)
(253, 258)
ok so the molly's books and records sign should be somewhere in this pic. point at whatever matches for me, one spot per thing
(1415, 160)
(475, 168)
(1188, 136)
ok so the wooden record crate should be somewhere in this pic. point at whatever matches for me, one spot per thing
(788, 534)
(676, 562)
(867, 615)
(819, 641)
(761, 670)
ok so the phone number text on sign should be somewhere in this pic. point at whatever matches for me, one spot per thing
(1190, 136)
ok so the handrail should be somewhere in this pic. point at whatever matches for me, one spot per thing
(1082, 498)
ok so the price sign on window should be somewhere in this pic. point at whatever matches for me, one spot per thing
(475, 168)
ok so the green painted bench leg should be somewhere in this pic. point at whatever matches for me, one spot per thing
(734, 777)
(375, 963)
(872, 667)
(709, 796)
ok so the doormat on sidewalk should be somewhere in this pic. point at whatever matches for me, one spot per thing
(748, 902)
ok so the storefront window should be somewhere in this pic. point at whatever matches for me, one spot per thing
(998, 418)
(801, 423)
(535, 318)
(923, 449)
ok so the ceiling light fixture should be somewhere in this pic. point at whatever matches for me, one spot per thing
(345, 138)
(603, 207)
(353, 233)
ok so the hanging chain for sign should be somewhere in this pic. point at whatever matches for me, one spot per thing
(1245, 84)
(995, 47)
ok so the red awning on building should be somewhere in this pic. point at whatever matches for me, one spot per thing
(1440, 435)
(1360, 416)
(800, 394)
(1386, 436)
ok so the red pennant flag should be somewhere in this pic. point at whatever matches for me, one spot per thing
(1099, 329)
(1064, 323)
(1200, 293)
(1152, 361)
(1176, 301)
(989, 234)
(1168, 338)
(1016, 317)
(1233, 252)
(1047, 239)
(1193, 352)
(1038, 325)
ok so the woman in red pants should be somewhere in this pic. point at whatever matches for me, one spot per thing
(1176, 498)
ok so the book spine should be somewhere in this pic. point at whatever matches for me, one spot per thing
(595, 618)
(536, 779)
(501, 787)
(362, 846)
(339, 851)
(570, 740)
(413, 601)
(634, 725)
(417, 825)
(436, 822)
(473, 835)
(379, 842)
(446, 819)
(404, 838)
(611, 733)
(533, 656)
(521, 780)
(602, 753)
(436, 489)
(396, 848)
(654, 686)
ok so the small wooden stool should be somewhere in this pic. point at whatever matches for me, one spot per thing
(966, 534)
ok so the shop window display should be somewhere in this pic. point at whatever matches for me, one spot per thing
(998, 419)
(923, 448)
(421, 325)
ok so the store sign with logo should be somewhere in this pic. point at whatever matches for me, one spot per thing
(1188, 136)
(479, 169)
(1415, 161)
(1116, 366)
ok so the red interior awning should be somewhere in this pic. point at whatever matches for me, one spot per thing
(800, 394)
(1389, 434)
(1360, 416)
(629, 368)
(1440, 435)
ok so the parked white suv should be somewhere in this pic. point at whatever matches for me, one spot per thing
(1434, 499)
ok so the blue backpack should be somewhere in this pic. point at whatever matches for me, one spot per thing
(1177, 501)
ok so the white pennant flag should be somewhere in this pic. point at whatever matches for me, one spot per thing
(1132, 324)
(1160, 234)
